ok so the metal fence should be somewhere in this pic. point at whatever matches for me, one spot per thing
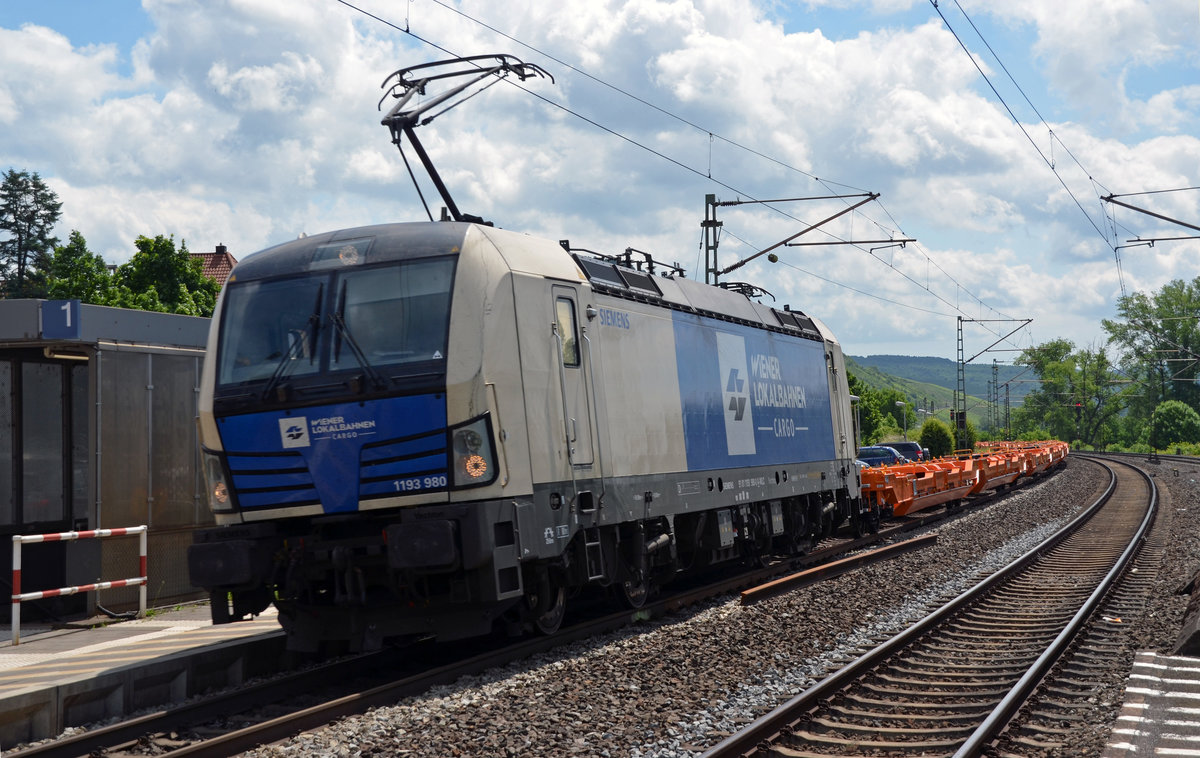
(22, 539)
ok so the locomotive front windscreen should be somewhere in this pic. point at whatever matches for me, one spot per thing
(378, 320)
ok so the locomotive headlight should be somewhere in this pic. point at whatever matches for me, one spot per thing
(467, 441)
(219, 499)
(473, 461)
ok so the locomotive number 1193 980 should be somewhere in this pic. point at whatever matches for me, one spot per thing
(420, 483)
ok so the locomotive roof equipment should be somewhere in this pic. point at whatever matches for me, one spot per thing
(402, 118)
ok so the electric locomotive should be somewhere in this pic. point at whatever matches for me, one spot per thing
(426, 428)
(436, 428)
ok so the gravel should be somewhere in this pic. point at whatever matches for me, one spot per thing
(1179, 514)
(677, 686)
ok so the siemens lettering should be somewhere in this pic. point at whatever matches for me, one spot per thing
(610, 317)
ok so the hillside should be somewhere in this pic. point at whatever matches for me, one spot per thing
(942, 372)
(930, 382)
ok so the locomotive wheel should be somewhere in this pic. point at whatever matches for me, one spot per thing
(548, 605)
(758, 550)
(549, 622)
(635, 591)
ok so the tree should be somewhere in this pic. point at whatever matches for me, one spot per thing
(28, 212)
(1080, 396)
(76, 273)
(160, 278)
(936, 436)
(1161, 339)
(878, 414)
(1173, 422)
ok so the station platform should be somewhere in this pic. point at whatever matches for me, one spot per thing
(1161, 713)
(102, 669)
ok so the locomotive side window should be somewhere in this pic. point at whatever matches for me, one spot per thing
(564, 310)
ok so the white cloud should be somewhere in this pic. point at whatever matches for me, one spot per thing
(279, 88)
(248, 122)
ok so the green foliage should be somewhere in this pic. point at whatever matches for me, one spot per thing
(936, 436)
(878, 414)
(1035, 435)
(1173, 422)
(924, 395)
(160, 277)
(76, 273)
(28, 212)
(1155, 331)
(1080, 397)
(157, 278)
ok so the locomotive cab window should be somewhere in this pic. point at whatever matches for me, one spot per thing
(269, 327)
(395, 314)
(565, 316)
(299, 329)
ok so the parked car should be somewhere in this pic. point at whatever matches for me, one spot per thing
(880, 455)
(910, 450)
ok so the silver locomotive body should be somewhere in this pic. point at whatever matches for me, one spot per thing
(441, 426)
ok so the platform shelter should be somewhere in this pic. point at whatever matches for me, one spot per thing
(98, 414)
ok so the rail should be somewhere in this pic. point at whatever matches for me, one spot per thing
(21, 539)
(785, 717)
(1020, 692)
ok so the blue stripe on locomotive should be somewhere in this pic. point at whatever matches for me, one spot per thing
(338, 454)
(750, 397)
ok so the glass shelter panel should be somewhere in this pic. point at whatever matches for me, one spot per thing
(173, 450)
(7, 514)
(80, 408)
(42, 465)
(124, 439)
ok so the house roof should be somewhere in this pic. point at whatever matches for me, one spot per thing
(217, 264)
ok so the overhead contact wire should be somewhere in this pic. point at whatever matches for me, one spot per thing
(671, 160)
(1024, 131)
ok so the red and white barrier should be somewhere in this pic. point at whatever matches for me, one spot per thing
(18, 596)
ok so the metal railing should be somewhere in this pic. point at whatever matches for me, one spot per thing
(21, 539)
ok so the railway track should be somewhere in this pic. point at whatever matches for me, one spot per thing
(950, 684)
(277, 708)
(231, 722)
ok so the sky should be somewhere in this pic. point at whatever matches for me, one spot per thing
(992, 132)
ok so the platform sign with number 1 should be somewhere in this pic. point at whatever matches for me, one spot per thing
(60, 320)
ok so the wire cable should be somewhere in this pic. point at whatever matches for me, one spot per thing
(1049, 161)
(702, 174)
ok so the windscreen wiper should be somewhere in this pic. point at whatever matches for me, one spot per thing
(344, 333)
(309, 336)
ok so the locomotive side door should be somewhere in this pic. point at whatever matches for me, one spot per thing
(572, 357)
